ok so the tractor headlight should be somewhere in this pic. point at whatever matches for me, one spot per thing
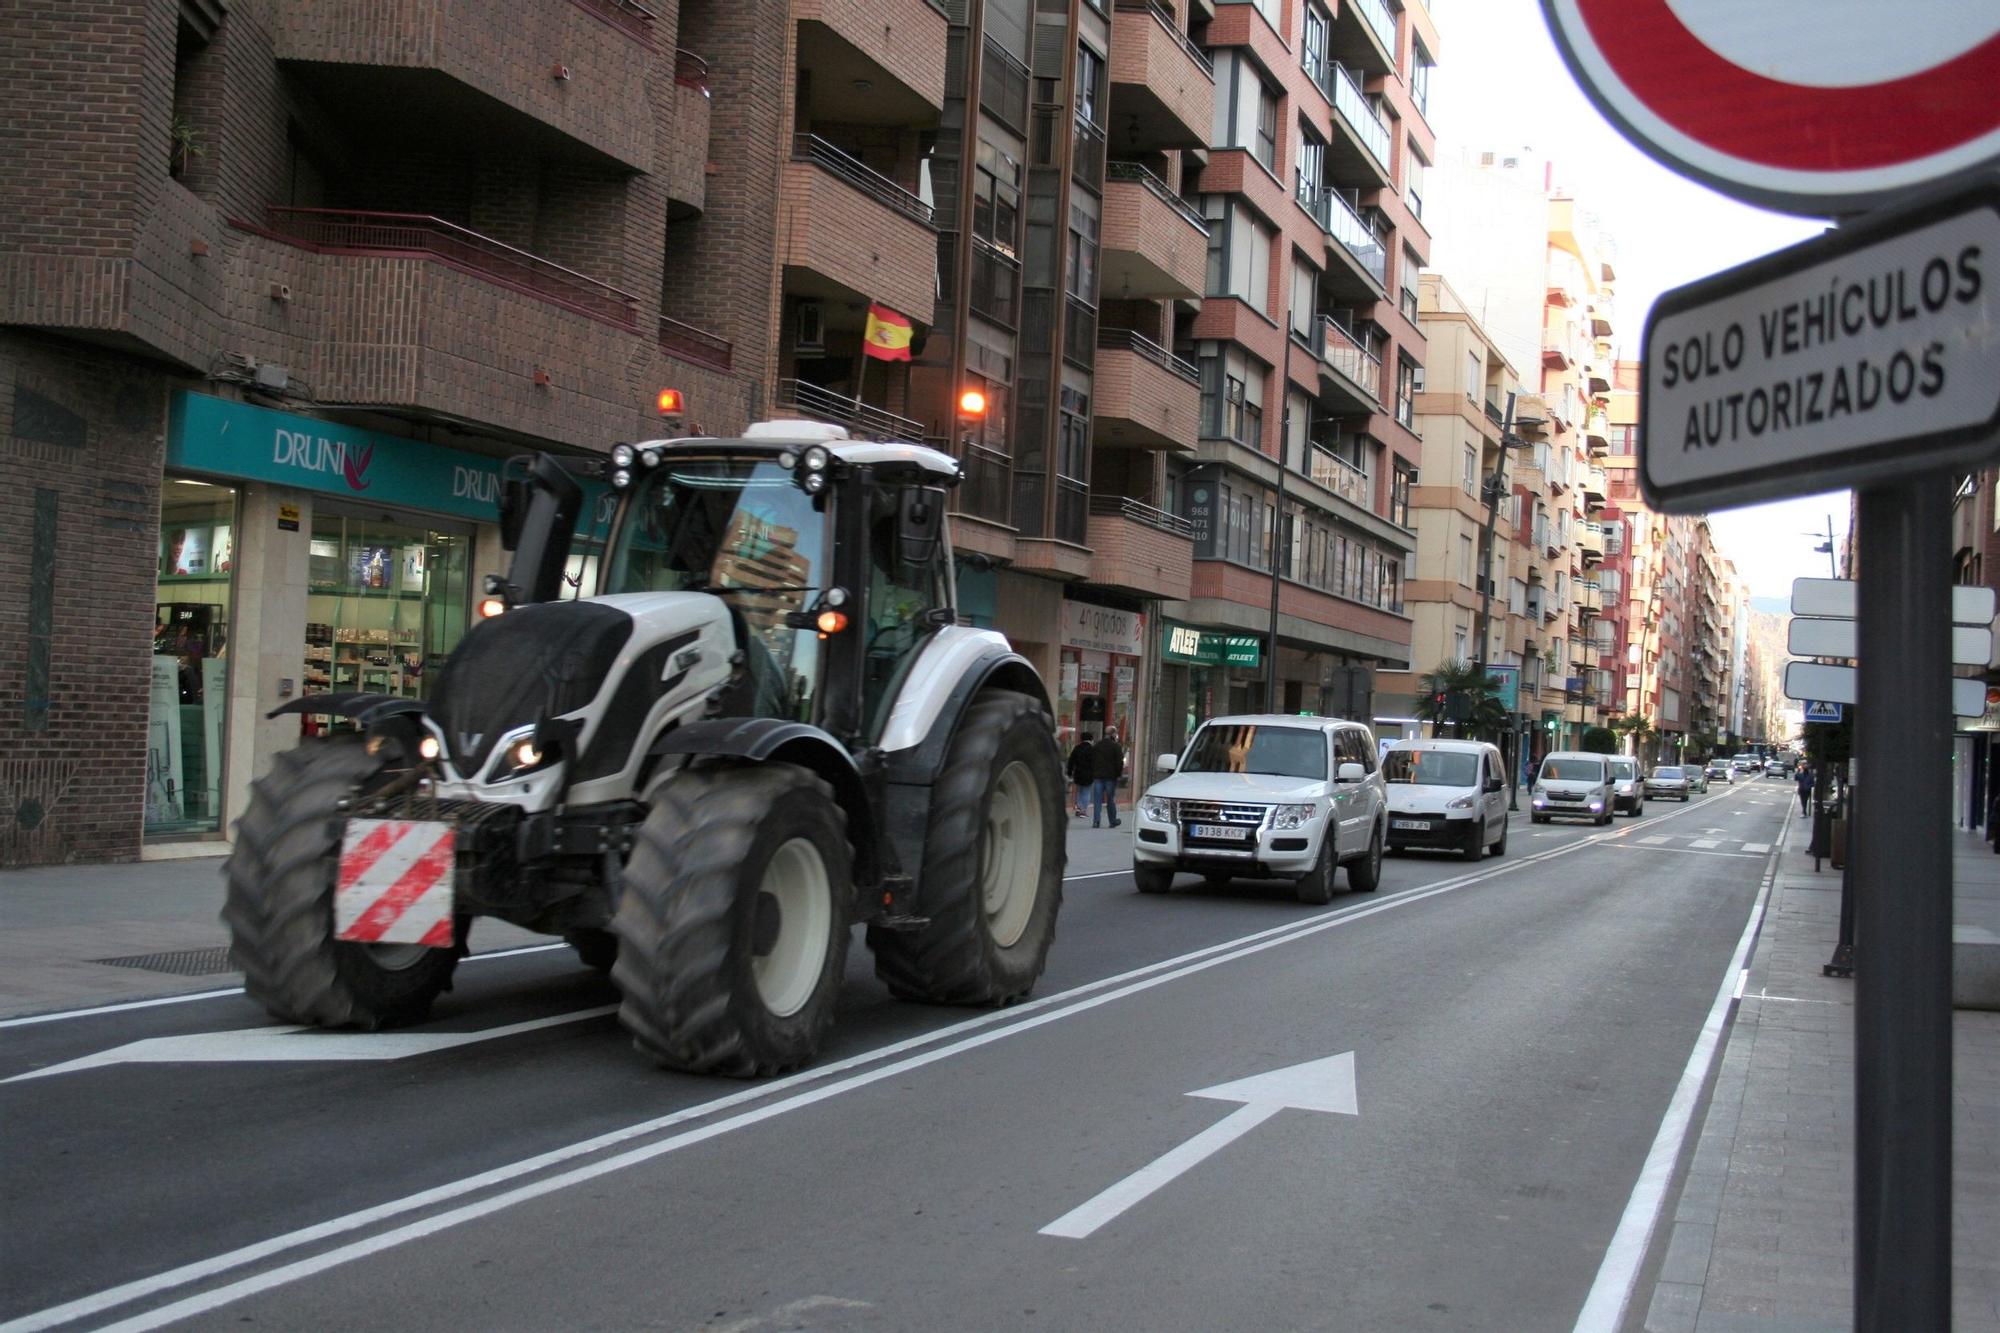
(622, 455)
(620, 478)
(520, 754)
(1158, 809)
(814, 482)
(429, 748)
(816, 458)
(649, 458)
(1292, 816)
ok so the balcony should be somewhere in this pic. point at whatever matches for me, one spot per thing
(987, 489)
(1358, 269)
(1555, 355)
(1147, 398)
(866, 420)
(1589, 597)
(1349, 482)
(684, 170)
(1597, 431)
(1590, 542)
(1139, 549)
(1364, 36)
(696, 346)
(896, 48)
(1593, 485)
(471, 81)
(1161, 83)
(1596, 379)
(1350, 371)
(850, 233)
(1154, 245)
(1358, 154)
(419, 236)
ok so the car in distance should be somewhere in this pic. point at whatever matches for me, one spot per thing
(1628, 789)
(1446, 794)
(1697, 778)
(1266, 796)
(1746, 763)
(1572, 784)
(1668, 782)
(1720, 770)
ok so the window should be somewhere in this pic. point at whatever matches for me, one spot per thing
(1399, 495)
(1459, 636)
(1312, 51)
(1239, 252)
(1421, 66)
(1305, 287)
(1470, 481)
(1246, 110)
(996, 199)
(1089, 85)
(1412, 270)
(1232, 388)
(1312, 168)
(1414, 171)
(1473, 377)
(1406, 388)
(1081, 280)
(1465, 559)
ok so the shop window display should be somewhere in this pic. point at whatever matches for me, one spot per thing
(189, 696)
(386, 602)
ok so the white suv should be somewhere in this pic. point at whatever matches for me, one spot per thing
(1266, 797)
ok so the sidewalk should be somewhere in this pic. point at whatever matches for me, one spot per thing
(1762, 1239)
(83, 935)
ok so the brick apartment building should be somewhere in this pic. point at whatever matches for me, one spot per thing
(280, 301)
(283, 283)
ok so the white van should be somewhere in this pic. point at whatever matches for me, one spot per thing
(1446, 794)
(1575, 785)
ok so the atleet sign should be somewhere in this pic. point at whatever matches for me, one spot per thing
(1199, 647)
(1853, 357)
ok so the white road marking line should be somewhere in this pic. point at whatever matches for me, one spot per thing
(1703, 842)
(126, 1005)
(1758, 847)
(1655, 839)
(1689, 851)
(1611, 1292)
(1764, 993)
(201, 1270)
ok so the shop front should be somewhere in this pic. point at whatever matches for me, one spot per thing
(299, 556)
(1101, 667)
(1204, 673)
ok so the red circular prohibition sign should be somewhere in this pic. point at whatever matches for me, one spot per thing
(1786, 125)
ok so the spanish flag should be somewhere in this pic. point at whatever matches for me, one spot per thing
(888, 335)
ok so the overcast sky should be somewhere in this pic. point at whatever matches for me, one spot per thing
(1500, 83)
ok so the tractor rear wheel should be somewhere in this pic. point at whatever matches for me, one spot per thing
(278, 903)
(991, 880)
(732, 920)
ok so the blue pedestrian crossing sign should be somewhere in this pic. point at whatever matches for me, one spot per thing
(1817, 711)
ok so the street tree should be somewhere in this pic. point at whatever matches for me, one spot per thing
(1465, 697)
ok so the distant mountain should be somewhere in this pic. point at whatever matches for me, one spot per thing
(1773, 606)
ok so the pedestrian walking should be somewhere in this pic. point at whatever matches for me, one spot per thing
(1080, 771)
(1107, 762)
(1804, 780)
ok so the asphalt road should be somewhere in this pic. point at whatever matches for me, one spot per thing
(1517, 1029)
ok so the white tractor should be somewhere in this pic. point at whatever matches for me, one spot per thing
(762, 725)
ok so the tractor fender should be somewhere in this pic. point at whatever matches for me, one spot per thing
(363, 708)
(778, 740)
(952, 671)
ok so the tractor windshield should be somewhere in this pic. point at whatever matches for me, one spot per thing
(742, 528)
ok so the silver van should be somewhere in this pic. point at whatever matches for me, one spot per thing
(1574, 784)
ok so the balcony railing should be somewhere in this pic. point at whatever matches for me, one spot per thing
(1345, 354)
(1003, 86)
(1341, 477)
(818, 404)
(1354, 109)
(347, 231)
(1087, 159)
(697, 345)
(1125, 340)
(811, 148)
(1119, 506)
(1136, 173)
(1363, 241)
(1079, 332)
(628, 16)
(1072, 510)
(1166, 20)
(690, 70)
(1381, 20)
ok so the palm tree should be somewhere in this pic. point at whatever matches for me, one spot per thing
(1636, 728)
(1485, 719)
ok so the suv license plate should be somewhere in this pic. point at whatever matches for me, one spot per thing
(1225, 832)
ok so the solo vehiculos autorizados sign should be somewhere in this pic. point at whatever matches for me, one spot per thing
(1820, 107)
(1854, 357)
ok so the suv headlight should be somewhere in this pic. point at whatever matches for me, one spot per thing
(1156, 808)
(1292, 816)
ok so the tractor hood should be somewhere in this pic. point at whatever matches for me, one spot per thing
(551, 659)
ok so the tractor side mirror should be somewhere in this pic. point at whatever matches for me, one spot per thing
(514, 492)
(919, 524)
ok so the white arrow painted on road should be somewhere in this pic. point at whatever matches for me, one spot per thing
(281, 1044)
(1317, 1085)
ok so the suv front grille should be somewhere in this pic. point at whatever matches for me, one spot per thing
(1216, 812)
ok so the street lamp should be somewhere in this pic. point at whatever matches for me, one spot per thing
(1825, 548)
(1494, 486)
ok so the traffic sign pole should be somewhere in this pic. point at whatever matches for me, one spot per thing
(1902, 876)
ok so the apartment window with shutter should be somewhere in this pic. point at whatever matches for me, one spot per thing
(1470, 481)
(1465, 560)
(1412, 270)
